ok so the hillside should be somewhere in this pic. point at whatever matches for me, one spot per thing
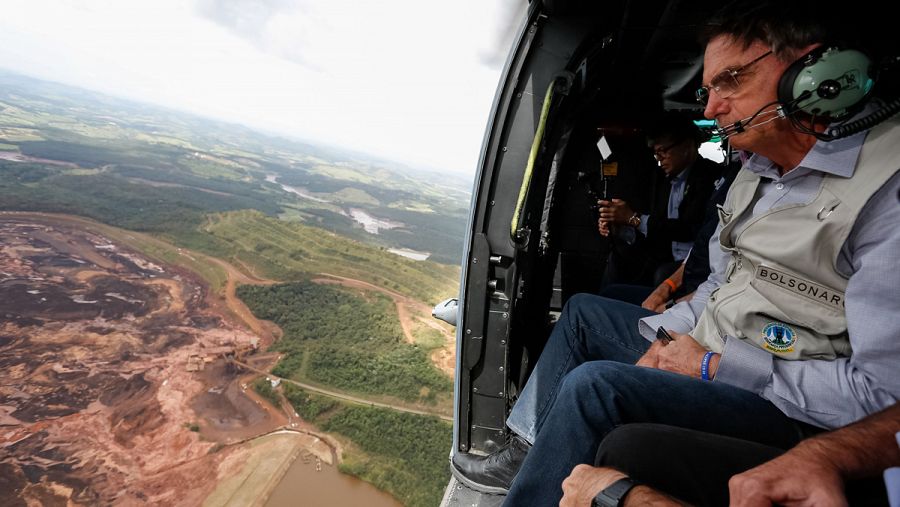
(344, 252)
(155, 170)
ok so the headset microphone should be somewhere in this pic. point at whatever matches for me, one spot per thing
(779, 111)
(745, 124)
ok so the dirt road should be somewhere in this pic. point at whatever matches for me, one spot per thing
(345, 397)
(268, 331)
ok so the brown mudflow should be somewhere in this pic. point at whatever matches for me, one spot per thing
(97, 405)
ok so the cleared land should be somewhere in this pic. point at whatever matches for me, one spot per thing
(82, 308)
(98, 404)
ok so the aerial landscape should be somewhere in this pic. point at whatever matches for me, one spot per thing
(196, 313)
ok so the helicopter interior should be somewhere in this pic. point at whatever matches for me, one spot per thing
(581, 71)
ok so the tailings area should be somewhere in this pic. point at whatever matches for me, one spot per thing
(114, 386)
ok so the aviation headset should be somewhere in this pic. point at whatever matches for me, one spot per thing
(828, 81)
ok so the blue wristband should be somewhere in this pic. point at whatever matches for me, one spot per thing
(704, 365)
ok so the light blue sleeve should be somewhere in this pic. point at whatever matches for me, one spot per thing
(835, 393)
(892, 482)
(682, 317)
(643, 227)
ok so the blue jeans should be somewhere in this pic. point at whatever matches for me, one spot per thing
(634, 294)
(585, 384)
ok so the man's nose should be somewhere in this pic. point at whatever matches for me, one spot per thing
(715, 106)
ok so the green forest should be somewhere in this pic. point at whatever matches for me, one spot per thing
(335, 338)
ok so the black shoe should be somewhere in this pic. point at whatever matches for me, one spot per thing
(492, 473)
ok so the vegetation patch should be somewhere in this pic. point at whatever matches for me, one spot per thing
(291, 251)
(264, 388)
(339, 339)
(355, 196)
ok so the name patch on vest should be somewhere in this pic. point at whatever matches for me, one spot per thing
(810, 290)
(779, 338)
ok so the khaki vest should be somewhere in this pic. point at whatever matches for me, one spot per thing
(782, 290)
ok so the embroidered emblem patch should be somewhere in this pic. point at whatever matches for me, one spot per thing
(779, 338)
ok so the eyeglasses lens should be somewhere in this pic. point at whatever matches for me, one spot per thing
(724, 84)
(662, 151)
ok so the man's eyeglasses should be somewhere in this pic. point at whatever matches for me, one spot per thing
(725, 83)
(662, 151)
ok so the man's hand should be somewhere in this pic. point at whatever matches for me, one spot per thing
(657, 299)
(615, 211)
(650, 359)
(801, 477)
(682, 355)
(583, 484)
(603, 227)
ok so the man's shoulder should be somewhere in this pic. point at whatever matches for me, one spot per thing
(705, 171)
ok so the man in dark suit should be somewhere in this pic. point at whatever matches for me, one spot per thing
(651, 243)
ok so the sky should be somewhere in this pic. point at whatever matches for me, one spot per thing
(408, 80)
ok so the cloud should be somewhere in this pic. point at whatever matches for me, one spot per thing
(247, 18)
(509, 16)
(282, 28)
(409, 80)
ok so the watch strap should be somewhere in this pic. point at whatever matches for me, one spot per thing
(613, 494)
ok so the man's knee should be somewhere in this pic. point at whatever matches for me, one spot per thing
(588, 308)
(625, 445)
(577, 304)
(589, 381)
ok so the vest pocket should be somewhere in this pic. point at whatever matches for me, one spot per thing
(789, 324)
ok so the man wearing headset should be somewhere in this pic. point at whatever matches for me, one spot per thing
(794, 332)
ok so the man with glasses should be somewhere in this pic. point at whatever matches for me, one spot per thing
(796, 329)
(651, 244)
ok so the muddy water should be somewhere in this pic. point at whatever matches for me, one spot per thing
(304, 486)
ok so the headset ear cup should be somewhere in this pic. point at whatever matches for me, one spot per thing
(786, 84)
(828, 81)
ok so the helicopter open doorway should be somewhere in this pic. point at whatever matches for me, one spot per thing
(577, 71)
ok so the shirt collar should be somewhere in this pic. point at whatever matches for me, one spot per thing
(682, 175)
(836, 157)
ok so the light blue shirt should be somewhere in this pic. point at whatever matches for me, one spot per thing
(834, 393)
(680, 249)
(892, 482)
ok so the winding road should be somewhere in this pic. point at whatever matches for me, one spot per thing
(341, 396)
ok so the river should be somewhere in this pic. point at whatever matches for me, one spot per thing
(313, 483)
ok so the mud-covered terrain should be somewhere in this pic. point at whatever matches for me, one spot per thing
(113, 386)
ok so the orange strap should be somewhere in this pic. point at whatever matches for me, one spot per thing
(670, 283)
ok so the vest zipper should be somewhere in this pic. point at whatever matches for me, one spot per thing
(736, 264)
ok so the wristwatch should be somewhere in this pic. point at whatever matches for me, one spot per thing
(613, 495)
(635, 221)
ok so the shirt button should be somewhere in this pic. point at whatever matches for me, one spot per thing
(779, 186)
